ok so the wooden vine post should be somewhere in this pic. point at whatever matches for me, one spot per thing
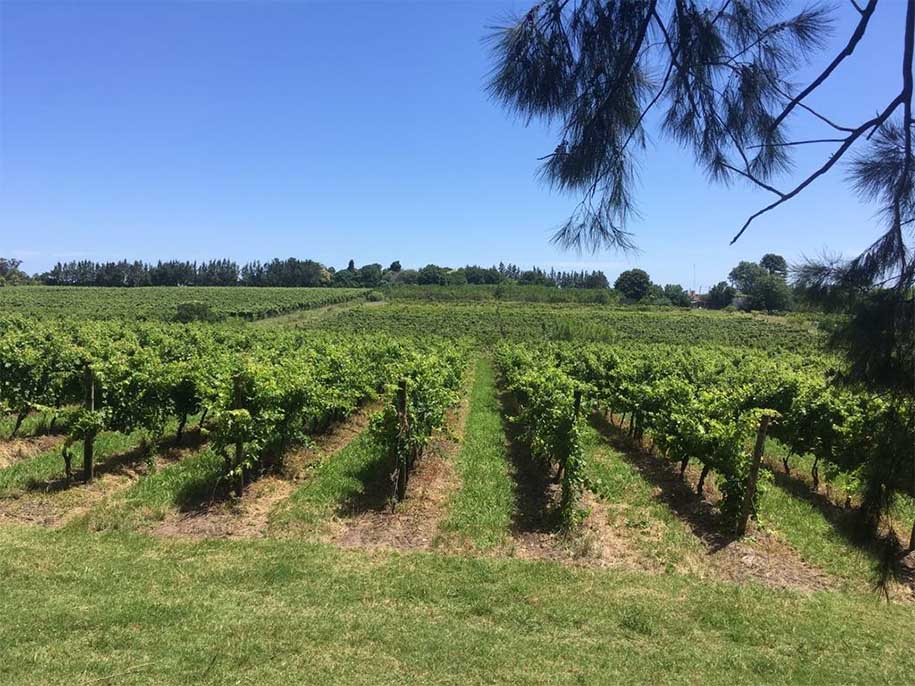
(68, 464)
(403, 459)
(239, 444)
(753, 478)
(89, 438)
(576, 410)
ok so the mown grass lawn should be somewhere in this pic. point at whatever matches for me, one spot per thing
(79, 608)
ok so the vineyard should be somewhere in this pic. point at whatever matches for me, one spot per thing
(710, 405)
(490, 323)
(162, 303)
(670, 471)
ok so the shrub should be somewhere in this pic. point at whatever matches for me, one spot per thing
(195, 311)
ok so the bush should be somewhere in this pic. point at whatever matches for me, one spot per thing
(375, 296)
(634, 284)
(195, 312)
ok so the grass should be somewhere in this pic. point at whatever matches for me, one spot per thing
(341, 479)
(133, 610)
(152, 497)
(815, 538)
(36, 423)
(313, 315)
(657, 531)
(820, 531)
(49, 466)
(480, 511)
(901, 514)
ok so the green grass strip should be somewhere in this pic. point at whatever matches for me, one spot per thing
(816, 539)
(658, 532)
(481, 510)
(81, 609)
(339, 482)
(190, 481)
(49, 466)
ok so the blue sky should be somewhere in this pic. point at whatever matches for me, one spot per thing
(251, 130)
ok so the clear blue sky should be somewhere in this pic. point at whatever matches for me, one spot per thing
(336, 131)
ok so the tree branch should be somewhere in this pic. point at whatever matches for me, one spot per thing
(875, 123)
(904, 181)
(752, 178)
(807, 142)
(849, 48)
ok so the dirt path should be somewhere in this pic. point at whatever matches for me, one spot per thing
(414, 523)
(592, 543)
(249, 516)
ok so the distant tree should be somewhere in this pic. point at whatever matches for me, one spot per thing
(770, 293)
(595, 280)
(634, 284)
(720, 295)
(432, 275)
(456, 277)
(482, 275)
(408, 277)
(395, 266)
(745, 274)
(10, 274)
(369, 276)
(345, 279)
(775, 265)
(351, 266)
(676, 295)
(534, 277)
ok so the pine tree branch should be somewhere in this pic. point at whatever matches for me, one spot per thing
(874, 124)
(847, 51)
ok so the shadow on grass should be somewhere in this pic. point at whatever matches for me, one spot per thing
(703, 519)
(377, 488)
(126, 462)
(535, 492)
(882, 549)
(842, 520)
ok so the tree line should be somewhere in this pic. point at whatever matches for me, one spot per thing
(750, 286)
(291, 272)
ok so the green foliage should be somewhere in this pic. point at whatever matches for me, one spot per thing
(161, 303)
(548, 402)
(769, 293)
(432, 275)
(264, 389)
(426, 386)
(745, 275)
(507, 292)
(490, 323)
(705, 404)
(678, 297)
(633, 284)
(776, 265)
(195, 312)
(10, 274)
(720, 295)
